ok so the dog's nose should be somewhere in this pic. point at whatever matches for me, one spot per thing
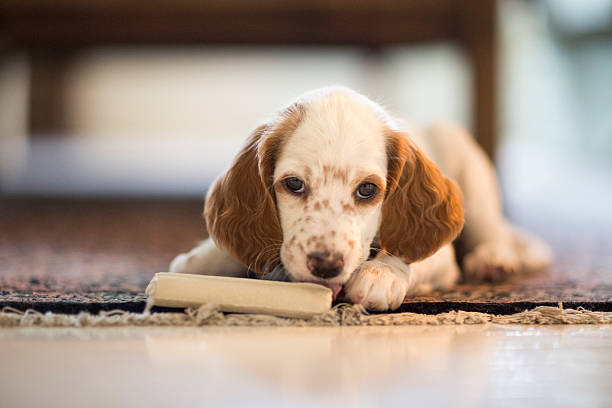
(324, 264)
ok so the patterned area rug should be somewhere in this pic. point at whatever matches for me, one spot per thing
(68, 256)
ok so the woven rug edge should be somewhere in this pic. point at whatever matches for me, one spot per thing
(340, 315)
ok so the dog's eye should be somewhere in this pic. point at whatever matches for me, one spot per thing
(366, 191)
(294, 185)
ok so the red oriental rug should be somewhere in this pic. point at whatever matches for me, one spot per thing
(66, 256)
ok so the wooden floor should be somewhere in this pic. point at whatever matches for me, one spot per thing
(449, 366)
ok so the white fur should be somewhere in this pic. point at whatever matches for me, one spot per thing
(344, 130)
(338, 133)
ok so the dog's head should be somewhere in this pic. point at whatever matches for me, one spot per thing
(315, 187)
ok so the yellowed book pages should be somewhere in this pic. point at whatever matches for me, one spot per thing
(241, 295)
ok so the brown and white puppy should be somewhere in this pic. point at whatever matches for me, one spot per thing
(333, 176)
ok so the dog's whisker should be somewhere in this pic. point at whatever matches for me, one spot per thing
(269, 248)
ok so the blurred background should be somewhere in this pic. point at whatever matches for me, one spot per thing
(153, 99)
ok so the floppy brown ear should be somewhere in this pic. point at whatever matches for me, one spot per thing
(240, 208)
(422, 210)
(240, 211)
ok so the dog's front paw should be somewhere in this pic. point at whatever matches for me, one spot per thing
(491, 262)
(376, 286)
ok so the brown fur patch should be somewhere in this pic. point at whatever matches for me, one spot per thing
(332, 172)
(240, 210)
(422, 210)
(348, 208)
(275, 138)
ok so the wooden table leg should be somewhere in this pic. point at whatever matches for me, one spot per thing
(478, 25)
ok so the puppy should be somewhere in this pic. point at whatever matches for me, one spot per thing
(337, 192)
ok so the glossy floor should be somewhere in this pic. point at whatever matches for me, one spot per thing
(354, 366)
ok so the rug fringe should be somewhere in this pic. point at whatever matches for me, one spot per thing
(340, 315)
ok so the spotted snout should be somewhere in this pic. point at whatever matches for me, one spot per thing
(322, 247)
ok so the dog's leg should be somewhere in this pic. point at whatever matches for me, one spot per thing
(382, 283)
(439, 271)
(495, 249)
(207, 259)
